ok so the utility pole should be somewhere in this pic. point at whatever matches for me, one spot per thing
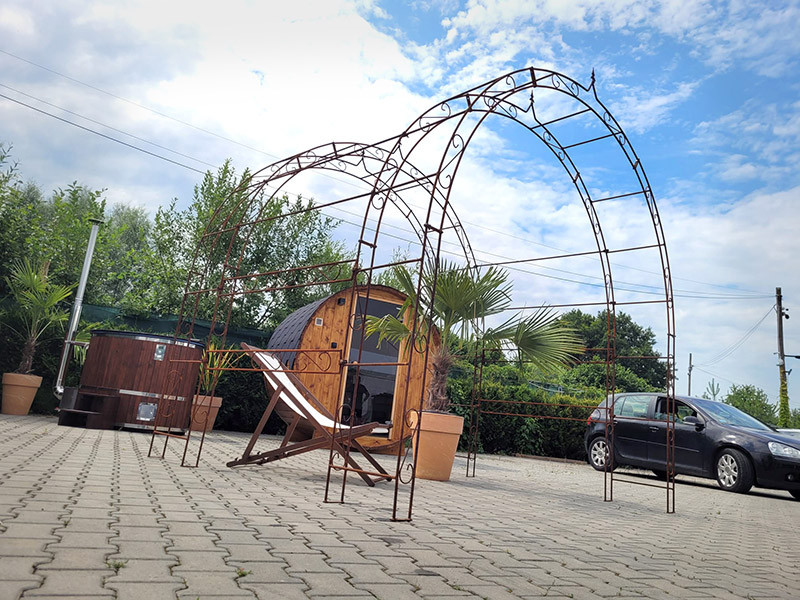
(689, 393)
(783, 403)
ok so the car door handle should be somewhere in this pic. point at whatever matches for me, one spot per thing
(653, 428)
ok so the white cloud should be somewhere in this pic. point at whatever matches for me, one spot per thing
(756, 142)
(760, 35)
(16, 20)
(641, 109)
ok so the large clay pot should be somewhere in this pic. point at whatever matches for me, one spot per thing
(205, 405)
(18, 392)
(438, 442)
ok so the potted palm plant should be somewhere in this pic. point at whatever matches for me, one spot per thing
(36, 309)
(215, 361)
(463, 298)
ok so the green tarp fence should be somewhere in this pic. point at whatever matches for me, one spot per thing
(113, 318)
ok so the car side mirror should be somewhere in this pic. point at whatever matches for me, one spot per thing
(696, 421)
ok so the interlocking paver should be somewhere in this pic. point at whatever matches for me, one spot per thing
(270, 591)
(152, 591)
(14, 588)
(71, 583)
(212, 583)
(107, 521)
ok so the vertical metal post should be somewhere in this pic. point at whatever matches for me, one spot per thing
(75, 317)
(689, 392)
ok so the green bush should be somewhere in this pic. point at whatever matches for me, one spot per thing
(553, 423)
(244, 400)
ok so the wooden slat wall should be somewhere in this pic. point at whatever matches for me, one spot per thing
(334, 329)
(127, 363)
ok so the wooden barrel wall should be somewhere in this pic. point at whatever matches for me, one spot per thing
(143, 367)
(324, 326)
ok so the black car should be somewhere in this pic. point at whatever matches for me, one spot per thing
(712, 439)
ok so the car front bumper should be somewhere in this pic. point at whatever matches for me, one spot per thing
(777, 473)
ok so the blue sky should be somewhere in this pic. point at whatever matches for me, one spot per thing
(708, 93)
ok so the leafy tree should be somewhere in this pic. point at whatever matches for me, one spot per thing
(19, 213)
(277, 234)
(753, 401)
(631, 340)
(462, 298)
(121, 255)
(60, 233)
(594, 376)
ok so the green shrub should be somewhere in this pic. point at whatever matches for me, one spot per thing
(553, 423)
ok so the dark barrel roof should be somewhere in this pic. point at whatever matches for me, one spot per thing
(289, 332)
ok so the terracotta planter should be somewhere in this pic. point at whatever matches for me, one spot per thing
(438, 442)
(205, 405)
(18, 392)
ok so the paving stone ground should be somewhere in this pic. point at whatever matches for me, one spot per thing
(86, 514)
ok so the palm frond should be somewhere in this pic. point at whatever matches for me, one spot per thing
(540, 338)
(388, 328)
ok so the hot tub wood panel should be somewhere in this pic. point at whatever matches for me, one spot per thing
(126, 361)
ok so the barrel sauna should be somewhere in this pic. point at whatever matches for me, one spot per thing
(312, 340)
(126, 373)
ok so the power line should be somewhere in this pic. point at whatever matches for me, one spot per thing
(136, 104)
(518, 269)
(103, 135)
(715, 375)
(684, 293)
(136, 137)
(722, 355)
(678, 293)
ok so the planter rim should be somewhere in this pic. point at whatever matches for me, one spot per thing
(442, 422)
(203, 400)
(23, 379)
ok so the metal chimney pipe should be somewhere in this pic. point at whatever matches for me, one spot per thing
(75, 317)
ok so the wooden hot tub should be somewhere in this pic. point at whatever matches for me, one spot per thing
(126, 373)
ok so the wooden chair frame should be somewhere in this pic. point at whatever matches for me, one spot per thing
(302, 407)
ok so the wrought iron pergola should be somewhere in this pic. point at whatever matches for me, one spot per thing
(410, 178)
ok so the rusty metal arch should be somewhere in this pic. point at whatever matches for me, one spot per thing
(497, 98)
(337, 157)
(512, 97)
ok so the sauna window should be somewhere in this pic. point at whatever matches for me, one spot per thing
(375, 395)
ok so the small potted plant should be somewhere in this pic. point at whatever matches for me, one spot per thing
(37, 308)
(206, 406)
(463, 298)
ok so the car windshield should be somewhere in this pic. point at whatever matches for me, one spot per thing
(730, 415)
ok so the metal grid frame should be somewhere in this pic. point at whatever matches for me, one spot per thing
(386, 173)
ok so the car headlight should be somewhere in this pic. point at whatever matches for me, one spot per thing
(783, 450)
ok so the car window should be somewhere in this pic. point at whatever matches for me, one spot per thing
(680, 408)
(635, 406)
(729, 415)
(619, 402)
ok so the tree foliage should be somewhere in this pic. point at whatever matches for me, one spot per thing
(594, 376)
(632, 339)
(457, 299)
(141, 264)
(784, 413)
(265, 244)
(754, 401)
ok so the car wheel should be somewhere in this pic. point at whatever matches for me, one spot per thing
(598, 454)
(734, 471)
(795, 493)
